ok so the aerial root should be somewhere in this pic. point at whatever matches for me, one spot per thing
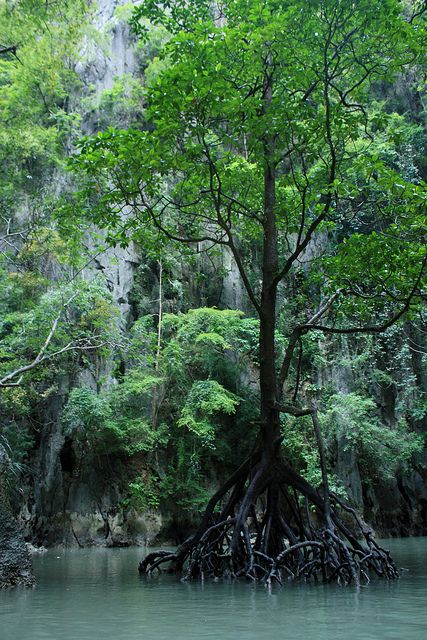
(279, 543)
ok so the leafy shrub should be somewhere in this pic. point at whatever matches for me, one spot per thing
(381, 448)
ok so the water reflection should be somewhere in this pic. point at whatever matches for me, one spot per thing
(95, 594)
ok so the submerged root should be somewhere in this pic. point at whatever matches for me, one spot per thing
(267, 524)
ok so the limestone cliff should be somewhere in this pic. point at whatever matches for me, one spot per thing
(78, 501)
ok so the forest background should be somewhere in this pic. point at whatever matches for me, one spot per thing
(128, 367)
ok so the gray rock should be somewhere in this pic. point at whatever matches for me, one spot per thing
(15, 562)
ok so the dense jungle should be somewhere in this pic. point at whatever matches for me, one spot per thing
(212, 285)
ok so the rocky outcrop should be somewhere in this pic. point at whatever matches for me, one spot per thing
(15, 562)
(74, 499)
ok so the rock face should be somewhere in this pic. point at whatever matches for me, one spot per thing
(15, 562)
(75, 501)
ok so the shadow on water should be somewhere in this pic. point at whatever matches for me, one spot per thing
(91, 594)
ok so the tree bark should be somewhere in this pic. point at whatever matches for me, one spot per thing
(270, 417)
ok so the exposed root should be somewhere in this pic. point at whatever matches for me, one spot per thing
(280, 541)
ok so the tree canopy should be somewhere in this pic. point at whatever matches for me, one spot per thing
(268, 133)
(289, 87)
(265, 136)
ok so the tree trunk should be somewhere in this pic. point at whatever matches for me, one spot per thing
(270, 418)
(254, 526)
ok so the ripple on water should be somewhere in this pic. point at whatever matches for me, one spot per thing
(96, 594)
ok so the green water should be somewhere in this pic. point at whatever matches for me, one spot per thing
(96, 594)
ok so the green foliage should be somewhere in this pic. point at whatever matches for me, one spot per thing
(19, 440)
(205, 338)
(381, 448)
(351, 421)
(206, 399)
(87, 314)
(188, 491)
(301, 448)
(121, 105)
(114, 422)
(286, 90)
(34, 89)
(84, 411)
(379, 420)
(418, 411)
(207, 134)
(143, 495)
(204, 354)
(83, 321)
(186, 413)
(186, 148)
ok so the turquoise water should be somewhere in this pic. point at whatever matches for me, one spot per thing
(97, 594)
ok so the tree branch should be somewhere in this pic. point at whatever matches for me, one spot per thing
(292, 410)
(11, 50)
(42, 356)
(284, 369)
(372, 328)
(325, 307)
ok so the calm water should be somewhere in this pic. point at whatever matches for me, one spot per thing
(96, 594)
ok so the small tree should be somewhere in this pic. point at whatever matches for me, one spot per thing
(262, 133)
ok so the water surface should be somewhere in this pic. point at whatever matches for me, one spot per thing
(96, 594)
